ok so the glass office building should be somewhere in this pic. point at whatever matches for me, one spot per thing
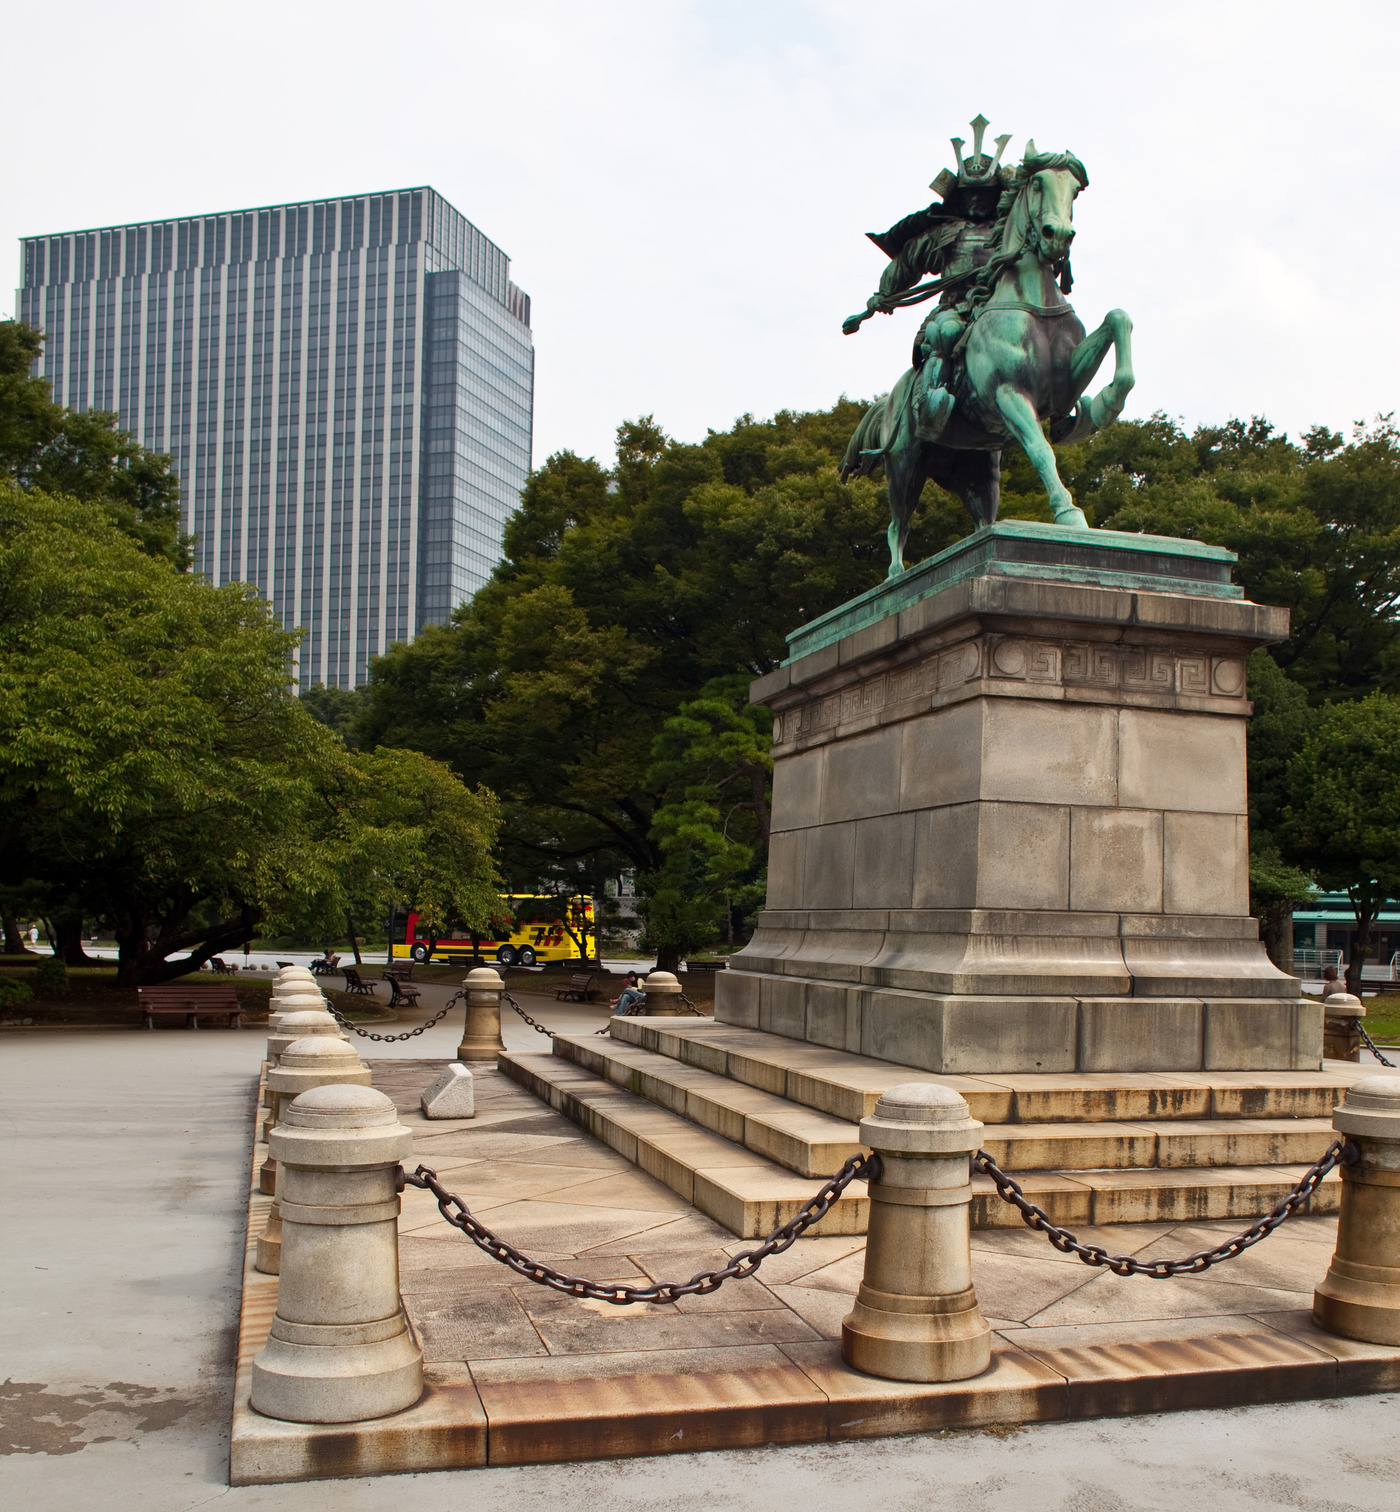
(345, 386)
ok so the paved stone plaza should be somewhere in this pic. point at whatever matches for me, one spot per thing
(127, 1196)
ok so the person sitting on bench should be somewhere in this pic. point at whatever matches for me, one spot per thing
(626, 1001)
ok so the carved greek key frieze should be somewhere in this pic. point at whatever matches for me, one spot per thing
(990, 659)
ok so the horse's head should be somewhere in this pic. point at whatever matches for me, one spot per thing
(1050, 210)
(1050, 182)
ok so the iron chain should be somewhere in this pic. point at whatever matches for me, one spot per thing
(863, 1167)
(1373, 1047)
(537, 1027)
(387, 1039)
(1342, 1152)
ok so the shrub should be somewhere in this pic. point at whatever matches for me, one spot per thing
(13, 993)
(51, 977)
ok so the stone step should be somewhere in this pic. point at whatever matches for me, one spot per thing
(847, 1085)
(812, 1143)
(747, 1193)
(751, 1194)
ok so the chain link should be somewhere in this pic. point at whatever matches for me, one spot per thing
(388, 1039)
(1342, 1152)
(863, 1167)
(1373, 1047)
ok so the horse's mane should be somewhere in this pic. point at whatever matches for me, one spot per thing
(1016, 181)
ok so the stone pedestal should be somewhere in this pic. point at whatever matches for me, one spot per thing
(1009, 819)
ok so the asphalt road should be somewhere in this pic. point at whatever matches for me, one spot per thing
(123, 1185)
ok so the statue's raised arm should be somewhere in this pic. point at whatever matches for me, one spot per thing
(1002, 352)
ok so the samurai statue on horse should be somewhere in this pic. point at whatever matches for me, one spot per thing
(1003, 351)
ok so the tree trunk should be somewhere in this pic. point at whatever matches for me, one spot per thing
(354, 943)
(1276, 927)
(14, 938)
(68, 941)
(1365, 910)
(668, 959)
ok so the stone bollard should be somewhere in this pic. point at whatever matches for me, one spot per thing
(481, 1026)
(301, 1024)
(916, 1316)
(339, 1349)
(293, 974)
(1360, 1297)
(319, 1061)
(1341, 1039)
(663, 1000)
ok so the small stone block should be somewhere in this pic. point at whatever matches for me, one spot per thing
(452, 1095)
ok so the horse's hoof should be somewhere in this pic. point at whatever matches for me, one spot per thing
(1071, 515)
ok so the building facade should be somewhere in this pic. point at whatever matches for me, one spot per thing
(345, 386)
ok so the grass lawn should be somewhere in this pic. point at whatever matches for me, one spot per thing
(1382, 1019)
(93, 997)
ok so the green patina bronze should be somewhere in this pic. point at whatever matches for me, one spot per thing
(1002, 353)
(1029, 549)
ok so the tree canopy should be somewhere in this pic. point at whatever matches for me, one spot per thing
(83, 453)
(1343, 808)
(1316, 526)
(157, 771)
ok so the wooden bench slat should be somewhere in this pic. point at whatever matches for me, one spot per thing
(168, 999)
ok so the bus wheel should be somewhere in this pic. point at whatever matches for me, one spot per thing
(506, 955)
(527, 956)
(419, 953)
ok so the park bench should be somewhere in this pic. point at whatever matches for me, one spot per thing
(707, 965)
(355, 983)
(221, 967)
(325, 965)
(577, 989)
(188, 1002)
(399, 976)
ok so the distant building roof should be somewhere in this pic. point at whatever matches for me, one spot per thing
(1335, 908)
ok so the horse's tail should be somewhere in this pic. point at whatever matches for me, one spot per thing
(867, 446)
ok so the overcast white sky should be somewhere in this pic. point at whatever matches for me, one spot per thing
(684, 185)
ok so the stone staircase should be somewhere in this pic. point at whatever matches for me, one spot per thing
(744, 1124)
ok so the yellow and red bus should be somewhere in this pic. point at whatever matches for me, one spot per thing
(532, 928)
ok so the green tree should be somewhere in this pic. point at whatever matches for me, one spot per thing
(336, 708)
(713, 768)
(155, 769)
(83, 454)
(398, 829)
(1276, 734)
(1343, 809)
(1316, 527)
(623, 592)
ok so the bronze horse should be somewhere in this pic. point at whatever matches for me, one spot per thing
(1023, 359)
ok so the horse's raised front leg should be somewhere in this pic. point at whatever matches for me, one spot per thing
(1106, 406)
(1024, 424)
